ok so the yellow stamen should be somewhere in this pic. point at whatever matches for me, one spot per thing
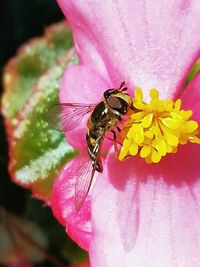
(153, 130)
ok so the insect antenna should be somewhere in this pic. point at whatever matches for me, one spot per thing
(122, 87)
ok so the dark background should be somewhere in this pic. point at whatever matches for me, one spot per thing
(23, 19)
(19, 21)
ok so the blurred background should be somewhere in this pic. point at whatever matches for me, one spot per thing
(21, 20)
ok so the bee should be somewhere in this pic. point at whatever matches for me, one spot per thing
(104, 118)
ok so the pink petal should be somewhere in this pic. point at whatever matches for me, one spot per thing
(191, 97)
(87, 88)
(148, 215)
(81, 85)
(78, 224)
(147, 43)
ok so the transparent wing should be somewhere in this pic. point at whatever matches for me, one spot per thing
(67, 116)
(84, 177)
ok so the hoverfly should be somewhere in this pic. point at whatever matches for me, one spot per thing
(104, 117)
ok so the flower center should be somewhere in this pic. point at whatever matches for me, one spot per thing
(156, 129)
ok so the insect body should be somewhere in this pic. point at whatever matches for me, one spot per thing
(104, 117)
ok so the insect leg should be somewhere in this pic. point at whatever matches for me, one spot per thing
(118, 129)
(115, 142)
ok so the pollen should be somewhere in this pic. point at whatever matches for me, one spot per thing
(157, 128)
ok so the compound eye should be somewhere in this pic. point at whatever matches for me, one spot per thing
(117, 104)
(114, 102)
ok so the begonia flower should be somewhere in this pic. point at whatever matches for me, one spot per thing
(136, 214)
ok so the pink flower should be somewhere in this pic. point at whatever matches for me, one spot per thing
(139, 214)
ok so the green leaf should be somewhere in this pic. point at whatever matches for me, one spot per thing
(37, 152)
(32, 60)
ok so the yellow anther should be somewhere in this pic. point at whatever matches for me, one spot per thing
(171, 123)
(138, 94)
(191, 126)
(154, 94)
(172, 140)
(155, 156)
(177, 105)
(157, 128)
(161, 147)
(133, 149)
(147, 120)
(145, 151)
